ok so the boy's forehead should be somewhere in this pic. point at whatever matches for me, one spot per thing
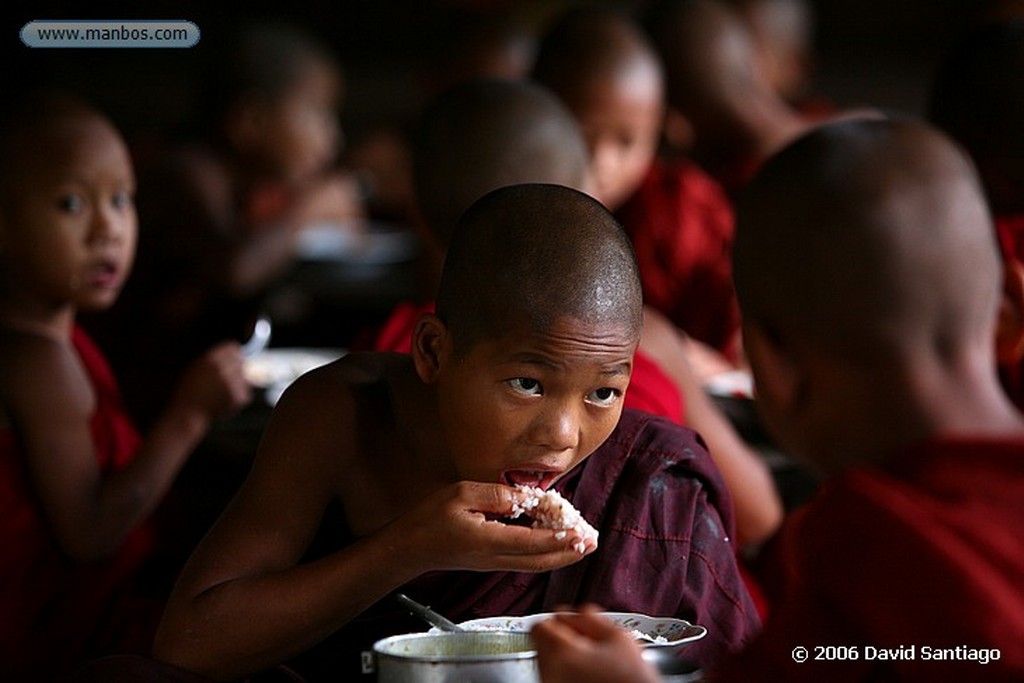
(566, 336)
(64, 144)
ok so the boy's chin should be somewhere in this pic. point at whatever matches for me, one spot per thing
(98, 302)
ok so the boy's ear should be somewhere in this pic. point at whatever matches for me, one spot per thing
(1010, 323)
(431, 345)
(778, 380)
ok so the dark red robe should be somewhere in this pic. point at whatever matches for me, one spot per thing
(681, 225)
(925, 553)
(665, 521)
(54, 612)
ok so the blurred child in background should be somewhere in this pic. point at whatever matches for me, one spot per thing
(678, 219)
(86, 566)
(221, 213)
(680, 222)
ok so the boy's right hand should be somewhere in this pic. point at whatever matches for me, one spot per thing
(215, 383)
(458, 527)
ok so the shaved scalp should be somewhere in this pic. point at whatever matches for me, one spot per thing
(868, 237)
(30, 123)
(528, 255)
(592, 43)
(708, 53)
(260, 62)
(486, 134)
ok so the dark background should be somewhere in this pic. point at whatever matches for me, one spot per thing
(871, 52)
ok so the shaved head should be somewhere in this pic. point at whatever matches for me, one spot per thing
(593, 44)
(868, 237)
(528, 255)
(709, 55)
(34, 126)
(485, 134)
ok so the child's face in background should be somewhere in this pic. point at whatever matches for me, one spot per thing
(621, 122)
(301, 135)
(68, 217)
(528, 407)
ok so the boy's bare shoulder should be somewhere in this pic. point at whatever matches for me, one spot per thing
(339, 397)
(339, 420)
(352, 373)
(38, 370)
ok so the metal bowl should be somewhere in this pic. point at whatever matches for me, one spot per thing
(482, 657)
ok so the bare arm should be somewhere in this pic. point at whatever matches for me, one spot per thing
(51, 402)
(757, 503)
(243, 603)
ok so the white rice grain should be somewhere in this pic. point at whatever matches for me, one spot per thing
(549, 510)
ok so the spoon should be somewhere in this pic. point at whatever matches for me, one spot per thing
(260, 337)
(428, 615)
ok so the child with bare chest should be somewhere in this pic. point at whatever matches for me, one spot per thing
(516, 380)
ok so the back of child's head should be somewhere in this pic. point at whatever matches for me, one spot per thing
(271, 98)
(867, 239)
(784, 32)
(525, 256)
(978, 98)
(474, 43)
(260, 61)
(588, 43)
(708, 53)
(484, 134)
(600, 63)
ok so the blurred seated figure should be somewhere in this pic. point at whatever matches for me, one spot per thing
(783, 32)
(723, 112)
(869, 284)
(220, 213)
(465, 43)
(679, 221)
(412, 463)
(89, 548)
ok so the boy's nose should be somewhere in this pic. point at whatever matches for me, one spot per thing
(558, 428)
(109, 225)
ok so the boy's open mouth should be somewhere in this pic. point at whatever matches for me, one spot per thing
(542, 479)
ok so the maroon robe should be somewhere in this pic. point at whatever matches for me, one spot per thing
(681, 225)
(665, 522)
(1010, 233)
(925, 553)
(54, 612)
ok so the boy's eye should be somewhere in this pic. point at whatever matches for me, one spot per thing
(604, 397)
(70, 203)
(525, 386)
(122, 200)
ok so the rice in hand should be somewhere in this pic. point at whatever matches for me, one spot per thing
(549, 510)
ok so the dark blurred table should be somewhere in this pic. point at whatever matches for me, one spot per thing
(343, 285)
